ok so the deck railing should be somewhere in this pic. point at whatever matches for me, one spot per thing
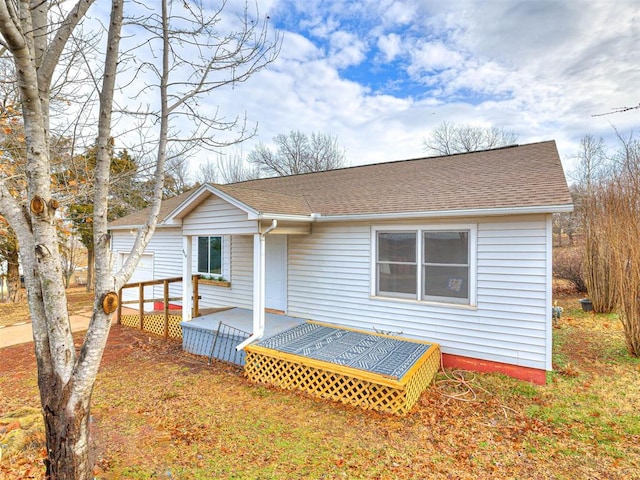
(166, 299)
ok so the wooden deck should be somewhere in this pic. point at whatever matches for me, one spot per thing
(337, 380)
(393, 384)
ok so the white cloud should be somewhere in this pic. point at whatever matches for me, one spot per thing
(346, 49)
(390, 45)
(542, 69)
(397, 12)
(296, 48)
(431, 56)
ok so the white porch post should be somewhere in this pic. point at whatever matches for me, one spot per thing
(258, 283)
(187, 287)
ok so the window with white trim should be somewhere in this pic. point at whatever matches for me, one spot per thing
(210, 256)
(427, 263)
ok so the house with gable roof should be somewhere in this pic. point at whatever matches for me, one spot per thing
(454, 249)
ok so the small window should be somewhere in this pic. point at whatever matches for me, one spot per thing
(210, 255)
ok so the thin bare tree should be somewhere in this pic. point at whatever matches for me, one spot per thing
(35, 36)
(449, 138)
(297, 152)
(229, 168)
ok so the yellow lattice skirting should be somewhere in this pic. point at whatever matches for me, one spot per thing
(361, 388)
(154, 323)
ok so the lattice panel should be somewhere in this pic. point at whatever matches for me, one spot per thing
(422, 378)
(325, 383)
(130, 321)
(154, 323)
(175, 330)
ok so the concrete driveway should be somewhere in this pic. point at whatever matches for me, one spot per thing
(22, 333)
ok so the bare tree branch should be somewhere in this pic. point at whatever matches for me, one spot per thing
(449, 138)
(298, 153)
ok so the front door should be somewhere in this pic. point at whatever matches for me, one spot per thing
(276, 272)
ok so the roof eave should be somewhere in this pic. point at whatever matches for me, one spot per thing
(183, 208)
(284, 217)
(135, 227)
(470, 212)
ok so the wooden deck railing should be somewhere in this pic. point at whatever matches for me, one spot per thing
(165, 299)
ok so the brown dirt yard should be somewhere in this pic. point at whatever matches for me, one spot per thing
(159, 413)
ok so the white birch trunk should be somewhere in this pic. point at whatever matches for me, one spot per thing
(66, 379)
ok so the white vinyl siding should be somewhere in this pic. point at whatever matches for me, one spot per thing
(330, 273)
(329, 279)
(217, 217)
(165, 246)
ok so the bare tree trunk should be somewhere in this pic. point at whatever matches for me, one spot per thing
(13, 279)
(35, 42)
(67, 428)
(90, 263)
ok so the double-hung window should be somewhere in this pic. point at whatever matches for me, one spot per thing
(445, 266)
(210, 256)
(397, 264)
(425, 264)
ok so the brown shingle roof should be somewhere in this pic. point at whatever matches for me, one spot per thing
(511, 177)
(139, 217)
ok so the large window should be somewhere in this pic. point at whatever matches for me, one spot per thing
(426, 264)
(210, 256)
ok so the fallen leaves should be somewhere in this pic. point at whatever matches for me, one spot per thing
(158, 410)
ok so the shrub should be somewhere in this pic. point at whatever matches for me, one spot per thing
(568, 265)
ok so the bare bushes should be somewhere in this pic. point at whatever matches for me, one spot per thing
(607, 197)
(611, 222)
(568, 265)
(597, 256)
(621, 197)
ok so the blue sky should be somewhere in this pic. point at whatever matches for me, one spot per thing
(381, 74)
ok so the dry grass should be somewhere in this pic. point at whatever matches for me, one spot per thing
(158, 413)
(78, 301)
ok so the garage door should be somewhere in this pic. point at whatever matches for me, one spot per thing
(144, 271)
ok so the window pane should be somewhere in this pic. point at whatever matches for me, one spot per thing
(203, 254)
(396, 247)
(446, 247)
(450, 282)
(394, 278)
(215, 255)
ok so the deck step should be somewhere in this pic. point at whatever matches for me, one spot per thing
(303, 368)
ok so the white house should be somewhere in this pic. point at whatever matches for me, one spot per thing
(454, 249)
